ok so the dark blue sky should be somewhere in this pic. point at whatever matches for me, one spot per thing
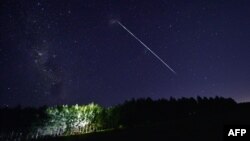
(67, 52)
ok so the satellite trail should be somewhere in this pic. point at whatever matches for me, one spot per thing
(116, 21)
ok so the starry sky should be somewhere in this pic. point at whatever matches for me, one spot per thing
(67, 52)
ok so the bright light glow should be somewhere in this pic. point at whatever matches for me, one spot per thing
(70, 119)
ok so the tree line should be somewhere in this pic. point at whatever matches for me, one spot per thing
(77, 119)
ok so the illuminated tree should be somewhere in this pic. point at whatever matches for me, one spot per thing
(73, 119)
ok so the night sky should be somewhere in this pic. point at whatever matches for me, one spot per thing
(70, 51)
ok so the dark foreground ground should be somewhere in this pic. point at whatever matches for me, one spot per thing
(193, 129)
(202, 127)
(146, 120)
(208, 133)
